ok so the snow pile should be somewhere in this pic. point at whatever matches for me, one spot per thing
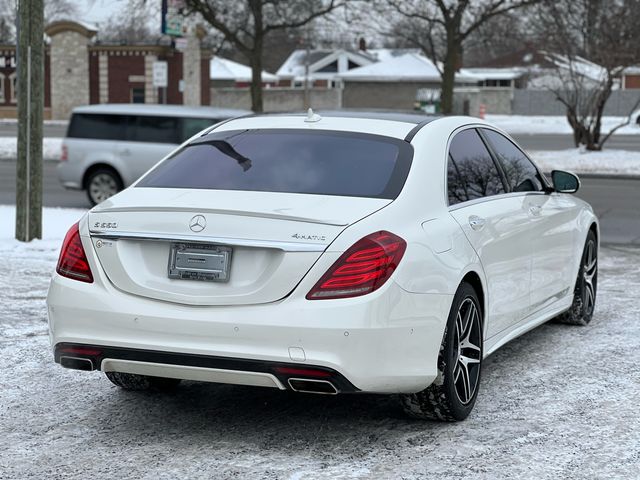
(55, 224)
(554, 125)
(26, 269)
(609, 162)
(51, 147)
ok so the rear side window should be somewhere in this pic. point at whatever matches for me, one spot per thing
(522, 175)
(97, 126)
(154, 129)
(293, 161)
(471, 172)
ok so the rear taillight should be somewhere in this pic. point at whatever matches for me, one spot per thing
(73, 261)
(362, 269)
(64, 154)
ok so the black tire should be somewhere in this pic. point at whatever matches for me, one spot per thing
(101, 184)
(584, 294)
(129, 381)
(444, 399)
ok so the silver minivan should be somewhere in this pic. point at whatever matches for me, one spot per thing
(108, 147)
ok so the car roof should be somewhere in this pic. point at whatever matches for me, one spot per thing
(162, 110)
(391, 115)
(401, 125)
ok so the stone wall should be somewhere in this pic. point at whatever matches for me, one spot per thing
(467, 101)
(69, 72)
(191, 70)
(543, 102)
(277, 99)
(385, 95)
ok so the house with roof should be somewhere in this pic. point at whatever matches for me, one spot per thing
(393, 83)
(321, 67)
(227, 73)
(631, 78)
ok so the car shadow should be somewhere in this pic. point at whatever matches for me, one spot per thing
(273, 419)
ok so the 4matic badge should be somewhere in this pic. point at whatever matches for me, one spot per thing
(302, 236)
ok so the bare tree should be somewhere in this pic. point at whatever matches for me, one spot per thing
(591, 42)
(53, 10)
(440, 27)
(246, 24)
(130, 25)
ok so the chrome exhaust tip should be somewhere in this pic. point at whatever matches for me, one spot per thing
(77, 363)
(306, 385)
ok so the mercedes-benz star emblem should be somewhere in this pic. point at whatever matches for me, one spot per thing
(197, 223)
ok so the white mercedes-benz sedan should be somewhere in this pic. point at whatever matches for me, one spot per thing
(328, 254)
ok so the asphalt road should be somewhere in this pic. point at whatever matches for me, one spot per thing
(528, 142)
(561, 142)
(615, 201)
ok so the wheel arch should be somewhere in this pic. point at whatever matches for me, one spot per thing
(474, 279)
(98, 166)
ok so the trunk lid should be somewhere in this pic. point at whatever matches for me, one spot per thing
(274, 238)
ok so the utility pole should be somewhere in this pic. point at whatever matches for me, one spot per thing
(30, 89)
(307, 99)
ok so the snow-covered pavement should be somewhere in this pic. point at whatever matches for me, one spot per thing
(561, 402)
(555, 124)
(606, 162)
(51, 148)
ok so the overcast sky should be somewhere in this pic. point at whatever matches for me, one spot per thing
(97, 11)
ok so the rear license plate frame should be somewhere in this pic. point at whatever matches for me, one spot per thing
(204, 262)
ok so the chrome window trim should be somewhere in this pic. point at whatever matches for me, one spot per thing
(237, 242)
(491, 198)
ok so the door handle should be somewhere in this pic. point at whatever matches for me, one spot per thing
(535, 210)
(476, 222)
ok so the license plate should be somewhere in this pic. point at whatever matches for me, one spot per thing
(209, 263)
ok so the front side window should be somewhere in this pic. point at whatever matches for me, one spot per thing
(522, 175)
(291, 161)
(471, 172)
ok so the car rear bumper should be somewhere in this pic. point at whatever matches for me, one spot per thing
(70, 175)
(385, 342)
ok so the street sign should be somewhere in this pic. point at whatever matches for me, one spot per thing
(180, 44)
(172, 18)
(160, 74)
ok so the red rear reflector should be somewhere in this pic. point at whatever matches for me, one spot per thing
(302, 372)
(81, 351)
(362, 269)
(73, 260)
(64, 154)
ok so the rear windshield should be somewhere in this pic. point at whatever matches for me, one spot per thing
(292, 161)
(136, 128)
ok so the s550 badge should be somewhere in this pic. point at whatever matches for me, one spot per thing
(317, 238)
(105, 225)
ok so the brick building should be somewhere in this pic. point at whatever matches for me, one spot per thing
(79, 71)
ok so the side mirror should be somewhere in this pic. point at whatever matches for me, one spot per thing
(565, 182)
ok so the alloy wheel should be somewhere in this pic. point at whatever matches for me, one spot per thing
(589, 276)
(468, 352)
(102, 186)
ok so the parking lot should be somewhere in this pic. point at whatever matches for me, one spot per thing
(559, 402)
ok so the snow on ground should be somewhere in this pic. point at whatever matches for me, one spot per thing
(559, 402)
(50, 148)
(14, 121)
(610, 162)
(553, 124)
